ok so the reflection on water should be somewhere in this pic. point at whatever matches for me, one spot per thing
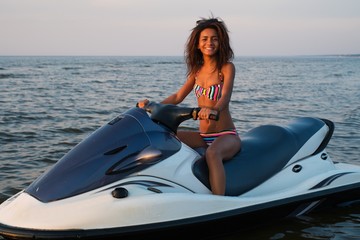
(336, 223)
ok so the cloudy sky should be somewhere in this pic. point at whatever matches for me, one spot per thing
(161, 27)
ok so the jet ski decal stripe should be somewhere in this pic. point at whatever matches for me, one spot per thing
(138, 182)
(329, 180)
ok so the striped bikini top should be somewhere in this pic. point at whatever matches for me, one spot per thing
(213, 92)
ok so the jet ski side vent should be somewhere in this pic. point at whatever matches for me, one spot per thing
(147, 156)
(115, 150)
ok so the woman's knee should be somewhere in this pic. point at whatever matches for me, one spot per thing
(213, 156)
(224, 147)
(212, 151)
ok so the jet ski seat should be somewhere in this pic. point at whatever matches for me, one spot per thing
(265, 150)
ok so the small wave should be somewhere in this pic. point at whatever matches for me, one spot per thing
(8, 192)
(5, 135)
(71, 68)
(336, 75)
(167, 62)
(71, 130)
(65, 144)
(8, 138)
(40, 66)
(10, 75)
(48, 160)
(290, 76)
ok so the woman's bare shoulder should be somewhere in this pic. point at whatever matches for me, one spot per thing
(229, 66)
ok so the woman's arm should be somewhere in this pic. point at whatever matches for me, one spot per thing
(176, 97)
(180, 95)
(228, 70)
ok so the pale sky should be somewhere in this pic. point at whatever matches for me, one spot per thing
(161, 27)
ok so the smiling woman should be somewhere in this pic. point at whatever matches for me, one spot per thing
(211, 75)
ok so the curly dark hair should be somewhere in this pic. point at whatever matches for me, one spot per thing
(193, 56)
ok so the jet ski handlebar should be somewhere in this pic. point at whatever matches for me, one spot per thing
(172, 115)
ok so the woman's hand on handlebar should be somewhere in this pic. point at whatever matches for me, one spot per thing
(208, 113)
(142, 103)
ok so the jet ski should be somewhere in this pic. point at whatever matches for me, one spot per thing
(133, 178)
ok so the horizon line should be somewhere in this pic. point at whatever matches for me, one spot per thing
(101, 55)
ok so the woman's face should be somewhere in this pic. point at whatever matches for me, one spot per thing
(208, 42)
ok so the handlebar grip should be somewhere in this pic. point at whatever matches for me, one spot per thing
(195, 114)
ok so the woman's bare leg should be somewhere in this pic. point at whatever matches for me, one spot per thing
(223, 148)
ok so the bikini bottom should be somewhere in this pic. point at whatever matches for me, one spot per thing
(209, 138)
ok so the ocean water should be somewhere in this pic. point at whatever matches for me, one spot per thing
(49, 104)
